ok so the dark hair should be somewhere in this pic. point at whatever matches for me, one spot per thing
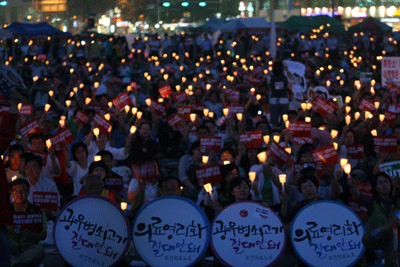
(105, 153)
(277, 68)
(305, 178)
(26, 155)
(16, 147)
(194, 145)
(75, 147)
(36, 136)
(236, 182)
(374, 183)
(229, 150)
(96, 164)
(163, 179)
(38, 159)
(203, 127)
(19, 181)
(303, 149)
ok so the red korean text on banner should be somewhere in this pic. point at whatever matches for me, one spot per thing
(40, 154)
(103, 111)
(302, 140)
(209, 174)
(115, 182)
(390, 117)
(300, 128)
(252, 139)
(26, 110)
(184, 112)
(323, 157)
(233, 95)
(211, 143)
(235, 109)
(181, 97)
(95, 107)
(355, 206)
(386, 143)
(366, 105)
(30, 128)
(28, 220)
(159, 109)
(46, 200)
(174, 121)
(122, 100)
(81, 118)
(324, 106)
(197, 107)
(62, 138)
(4, 110)
(104, 125)
(146, 171)
(254, 81)
(165, 91)
(280, 155)
(42, 57)
(355, 151)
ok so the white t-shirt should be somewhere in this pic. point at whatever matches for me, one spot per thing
(150, 192)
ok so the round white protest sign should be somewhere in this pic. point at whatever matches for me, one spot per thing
(247, 234)
(327, 233)
(92, 231)
(171, 231)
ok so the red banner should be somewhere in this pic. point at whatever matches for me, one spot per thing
(165, 91)
(390, 117)
(122, 100)
(62, 138)
(159, 109)
(26, 109)
(355, 151)
(81, 118)
(209, 174)
(233, 110)
(366, 105)
(184, 112)
(233, 94)
(181, 97)
(324, 156)
(198, 107)
(28, 220)
(42, 57)
(42, 155)
(302, 140)
(30, 128)
(4, 110)
(324, 106)
(252, 139)
(211, 143)
(386, 143)
(147, 171)
(300, 128)
(102, 123)
(174, 121)
(46, 200)
(115, 182)
(280, 155)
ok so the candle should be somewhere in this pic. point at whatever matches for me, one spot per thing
(96, 132)
(343, 162)
(193, 117)
(376, 104)
(124, 205)
(204, 159)
(225, 111)
(277, 138)
(258, 97)
(356, 115)
(252, 90)
(107, 116)
(127, 108)
(266, 139)
(374, 132)
(334, 133)
(262, 157)
(227, 162)
(47, 107)
(347, 99)
(87, 100)
(19, 106)
(347, 169)
(208, 188)
(348, 109)
(205, 112)
(13, 178)
(288, 150)
(239, 116)
(134, 110)
(285, 117)
(48, 143)
(211, 114)
(309, 106)
(381, 117)
(139, 115)
(68, 102)
(303, 106)
(308, 119)
(335, 145)
(282, 180)
(252, 176)
(348, 119)
(51, 93)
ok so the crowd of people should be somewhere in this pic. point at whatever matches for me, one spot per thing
(179, 89)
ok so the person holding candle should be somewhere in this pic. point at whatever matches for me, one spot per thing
(14, 158)
(280, 93)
